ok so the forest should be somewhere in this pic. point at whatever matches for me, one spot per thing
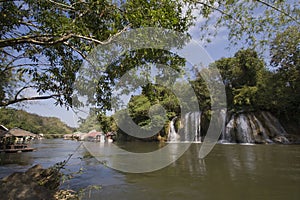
(48, 126)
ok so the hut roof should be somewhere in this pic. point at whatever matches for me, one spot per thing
(17, 132)
(94, 134)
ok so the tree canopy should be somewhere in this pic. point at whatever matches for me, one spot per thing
(43, 43)
(252, 23)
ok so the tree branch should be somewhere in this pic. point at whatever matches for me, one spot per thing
(9, 102)
(50, 39)
(62, 5)
(34, 39)
(222, 12)
(278, 10)
(75, 49)
(21, 90)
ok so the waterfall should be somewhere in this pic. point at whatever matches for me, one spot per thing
(273, 124)
(275, 128)
(192, 127)
(228, 133)
(259, 131)
(191, 130)
(173, 136)
(195, 119)
(260, 127)
(244, 130)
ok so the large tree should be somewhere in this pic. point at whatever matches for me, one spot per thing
(244, 76)
(285, 60)
(43, 42)
(254, 23)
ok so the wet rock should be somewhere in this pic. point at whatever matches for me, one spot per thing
(281, 139)
(66, 195)
(34, 184)
(293, 139)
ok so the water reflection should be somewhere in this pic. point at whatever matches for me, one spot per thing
(229, 172)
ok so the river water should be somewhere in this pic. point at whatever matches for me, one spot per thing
(228, 172)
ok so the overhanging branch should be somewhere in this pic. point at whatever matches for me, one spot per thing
(9, 102)
(54, 39)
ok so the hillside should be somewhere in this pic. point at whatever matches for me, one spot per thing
(34, 123)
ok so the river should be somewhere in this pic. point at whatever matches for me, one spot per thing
(228, 172)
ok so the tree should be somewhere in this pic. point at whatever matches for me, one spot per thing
(13, 118)
(243, 76)
(43, 42)
(255, 23)
(285, 59)
(139, 105)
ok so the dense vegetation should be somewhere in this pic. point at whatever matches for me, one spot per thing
(43, 44)
(12, 118)
(250, 86)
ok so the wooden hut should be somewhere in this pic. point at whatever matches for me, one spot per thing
(15, 140)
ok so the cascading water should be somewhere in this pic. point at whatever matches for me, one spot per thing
(260, 127)
(191, 130)
(173, 136)
(192, 127)
(259, 131)
(244, 130)
(273, 124)
(196, 117)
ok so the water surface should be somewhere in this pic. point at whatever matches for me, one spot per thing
(228, 172)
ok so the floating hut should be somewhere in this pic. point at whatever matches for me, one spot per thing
(96, 136)
(75, 136)
(15, 140)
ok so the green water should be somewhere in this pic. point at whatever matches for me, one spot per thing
(228, 172)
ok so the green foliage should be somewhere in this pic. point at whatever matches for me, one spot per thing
(43, 43)
(12, 118)
(97, 121)
(143, 109)
(253, 23)
(285, 59)
(90, 123)
(243, 76)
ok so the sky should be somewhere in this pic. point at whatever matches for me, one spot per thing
(216, 49)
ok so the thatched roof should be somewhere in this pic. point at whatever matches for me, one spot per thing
(17, 132)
